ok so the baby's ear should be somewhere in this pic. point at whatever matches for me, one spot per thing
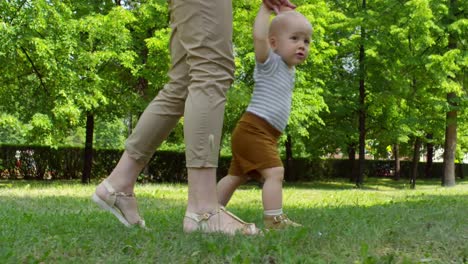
(272, 41)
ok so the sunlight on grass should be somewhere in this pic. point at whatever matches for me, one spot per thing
(385, 222)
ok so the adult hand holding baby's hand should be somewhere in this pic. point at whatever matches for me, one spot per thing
(279, 5)
(285, 9)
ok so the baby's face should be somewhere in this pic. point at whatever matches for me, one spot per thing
(293, 40)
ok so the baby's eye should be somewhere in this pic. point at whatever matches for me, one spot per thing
(293, 37)
(307, 41)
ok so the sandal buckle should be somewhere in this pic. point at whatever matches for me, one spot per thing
(205, 216)
(280, 218)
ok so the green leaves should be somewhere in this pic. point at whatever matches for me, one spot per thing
(12, 130)
(61, 59)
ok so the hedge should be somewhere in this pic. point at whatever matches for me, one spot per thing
(166, 166)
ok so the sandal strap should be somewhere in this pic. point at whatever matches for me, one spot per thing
(222, 208)
(112, 196)
(202, 221)
(200, 217)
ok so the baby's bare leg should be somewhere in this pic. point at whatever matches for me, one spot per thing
(273, 216)
(272, 193)
(227, 186)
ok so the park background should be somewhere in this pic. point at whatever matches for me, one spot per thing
(385, 80)
(380, 104)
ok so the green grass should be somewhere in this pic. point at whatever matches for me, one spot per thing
(383, 223)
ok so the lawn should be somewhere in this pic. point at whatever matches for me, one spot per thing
(385, 222)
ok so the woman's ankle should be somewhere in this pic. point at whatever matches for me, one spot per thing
(119, 185)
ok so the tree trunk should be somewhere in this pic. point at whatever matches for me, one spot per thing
(352, 160)
(396, 158)
(88, 151)
(451, 118)
(450, 144)
(362, 107)
(289, 169)
(414, 165)
(429, 156)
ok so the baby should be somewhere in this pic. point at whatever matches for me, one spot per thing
(279, 46)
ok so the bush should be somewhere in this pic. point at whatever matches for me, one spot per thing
(168, 166)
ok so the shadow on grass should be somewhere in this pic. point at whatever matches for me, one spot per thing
(369, 184)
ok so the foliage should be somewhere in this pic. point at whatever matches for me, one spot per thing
(11, 129)
(62, 60)
(169, 166)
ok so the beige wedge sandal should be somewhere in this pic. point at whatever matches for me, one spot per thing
(122, 205)
(201, 221)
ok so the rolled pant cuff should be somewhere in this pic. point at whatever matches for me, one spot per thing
(139, 157)
(201, 164)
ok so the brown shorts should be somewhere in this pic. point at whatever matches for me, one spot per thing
(254, 147)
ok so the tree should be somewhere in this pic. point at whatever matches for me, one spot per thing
(451, 126)
(447, 68)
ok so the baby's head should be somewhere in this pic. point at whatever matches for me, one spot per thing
(289, 36)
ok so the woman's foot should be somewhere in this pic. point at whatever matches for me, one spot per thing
(122, 204)
(219, 221)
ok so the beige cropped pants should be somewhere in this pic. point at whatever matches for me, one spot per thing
(202, 70)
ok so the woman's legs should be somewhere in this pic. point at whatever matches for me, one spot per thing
(153, 127)
(125, 174)
(199, 79)
(202, 190)
(205, 31)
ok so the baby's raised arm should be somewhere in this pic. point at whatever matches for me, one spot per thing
(277, 5)
(260, 34)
